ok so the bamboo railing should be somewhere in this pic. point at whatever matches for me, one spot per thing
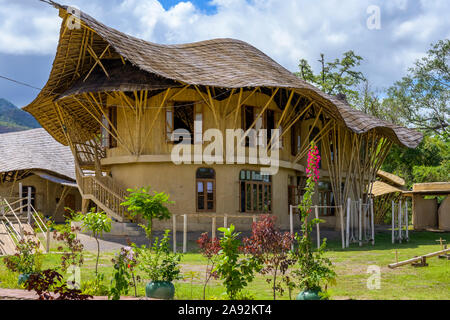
(104, 192)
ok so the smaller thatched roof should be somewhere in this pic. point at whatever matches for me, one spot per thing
(391, 178)
(33, 150)
(380, 188)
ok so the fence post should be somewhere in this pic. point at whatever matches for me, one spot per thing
(185, 233)
(393, 221)
(213, 233)
(29, 205)
(317, 226)
(400, 221)
(48, 240)
(174, 232)
(291, 223)
(225, 221)
(372, 218)
(406, 220)
(341, 213)
(360, 223)
(349, 203)
(20, 197)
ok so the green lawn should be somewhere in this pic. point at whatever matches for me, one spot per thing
(407, 282)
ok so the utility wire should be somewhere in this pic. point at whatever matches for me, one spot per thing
(83, 99)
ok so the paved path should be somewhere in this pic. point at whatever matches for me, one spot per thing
(18, 294)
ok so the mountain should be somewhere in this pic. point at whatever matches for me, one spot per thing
(15, 119)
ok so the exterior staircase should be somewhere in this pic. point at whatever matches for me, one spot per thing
(104, 192)
(15, 225)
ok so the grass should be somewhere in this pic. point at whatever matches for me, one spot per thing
(351, 266)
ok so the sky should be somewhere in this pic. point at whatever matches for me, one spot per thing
(389, 35)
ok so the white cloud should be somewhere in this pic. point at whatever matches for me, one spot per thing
(286, 30)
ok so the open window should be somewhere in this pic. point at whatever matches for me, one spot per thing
(24, 192)
(109, 125)
(255, 192)
(184, 123)
(206, 190)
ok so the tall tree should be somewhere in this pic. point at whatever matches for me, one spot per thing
(421, 98)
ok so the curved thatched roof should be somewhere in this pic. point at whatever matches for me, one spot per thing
(35, 150)
(222, 63)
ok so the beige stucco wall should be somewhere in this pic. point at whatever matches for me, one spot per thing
(154, 166)
(424, 212)
(47, 193)
(444, 214)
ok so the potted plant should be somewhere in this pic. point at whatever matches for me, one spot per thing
(313, 270)
(161, 266)
(27, 260)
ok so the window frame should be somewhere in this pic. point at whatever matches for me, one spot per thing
(205, 182)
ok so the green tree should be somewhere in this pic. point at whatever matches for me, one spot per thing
(149, 206)
(336, 77)
(421, 98)
(97, 223)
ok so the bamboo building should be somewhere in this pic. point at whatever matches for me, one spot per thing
(115, 100)
(33, 160)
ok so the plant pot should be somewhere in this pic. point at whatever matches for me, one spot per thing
(23, 278)
(309, 295)
(160, 290)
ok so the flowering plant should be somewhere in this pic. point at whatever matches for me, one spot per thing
(313, 268)
(124, 264)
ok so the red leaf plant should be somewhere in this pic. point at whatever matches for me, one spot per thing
(209, 248)
(271, 247)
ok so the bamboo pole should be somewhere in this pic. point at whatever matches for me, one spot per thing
(416, 259)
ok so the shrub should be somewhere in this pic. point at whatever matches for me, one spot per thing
(236, 273)
(209, 248)
(271, 247)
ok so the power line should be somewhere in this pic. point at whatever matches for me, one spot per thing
(116, 105)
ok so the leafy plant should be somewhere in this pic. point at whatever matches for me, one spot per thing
(236, 273)
(149, 206)
(191, 276)
(209, 248)
(97, 223)
(28, 258)
(124, 263)
(95, 287)
(50, 285)
(72, 252)
(160, 264)
(271, 247)
(313, 269)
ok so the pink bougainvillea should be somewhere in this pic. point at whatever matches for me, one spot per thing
(312, 169)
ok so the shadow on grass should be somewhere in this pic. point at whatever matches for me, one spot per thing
(383, 241)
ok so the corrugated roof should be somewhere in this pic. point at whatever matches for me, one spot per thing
(223, 63)
(35, 149)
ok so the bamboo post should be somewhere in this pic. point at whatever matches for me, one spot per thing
(174, 232)
(184, 233)
(348, 221)
(213, 231)
(47, 249)
(341, 217)
(360, 223)
(29, 205)
(406, 221)
(225, 221)
(393, 221)
(20, 197)
(372, 222)
(400, 221)
(316, 210)
(291, 223)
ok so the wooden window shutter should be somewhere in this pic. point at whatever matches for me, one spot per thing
(198, 124)
(169, 123)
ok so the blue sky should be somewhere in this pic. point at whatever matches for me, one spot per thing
(286, 30)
